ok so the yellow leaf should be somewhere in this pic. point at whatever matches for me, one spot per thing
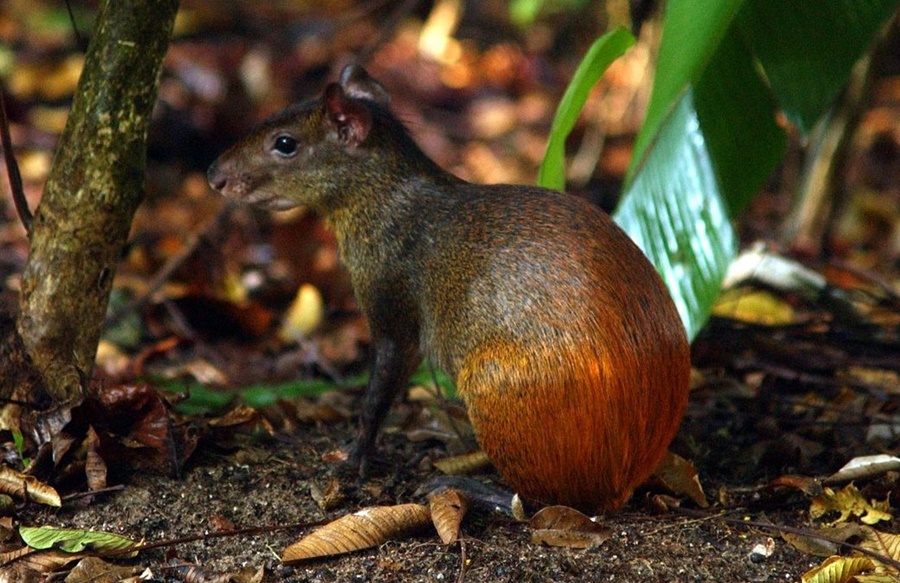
(838, 570)
(304, 315)
(757, 307)
(849, 502)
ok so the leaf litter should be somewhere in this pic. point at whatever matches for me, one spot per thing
(778, 404)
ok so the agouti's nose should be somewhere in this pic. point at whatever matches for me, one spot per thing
(216, 179)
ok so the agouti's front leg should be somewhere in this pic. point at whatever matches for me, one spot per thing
(393, 362)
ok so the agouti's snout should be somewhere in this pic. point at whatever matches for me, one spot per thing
(216, 179)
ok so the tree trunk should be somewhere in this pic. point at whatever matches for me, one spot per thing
(94, 188)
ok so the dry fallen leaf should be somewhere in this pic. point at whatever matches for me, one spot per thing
(882, 543)
(136, 426)
(807, 485)
(28, 487)
(39, 561)
(448, 508)
(94, 466)
(93, 569)
(866, 466)
(847, 502)
(366, 528)
(838, 570)
(679, 476)
(561, 526)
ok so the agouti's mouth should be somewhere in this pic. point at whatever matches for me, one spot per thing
(267, 200)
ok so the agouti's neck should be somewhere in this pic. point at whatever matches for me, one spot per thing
(391, 182)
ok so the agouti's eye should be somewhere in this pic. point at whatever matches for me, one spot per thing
(285, 145)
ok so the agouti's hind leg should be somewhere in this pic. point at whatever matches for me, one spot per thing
(393, 363)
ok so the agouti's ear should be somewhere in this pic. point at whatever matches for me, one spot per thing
(357, 83)
(349, 118)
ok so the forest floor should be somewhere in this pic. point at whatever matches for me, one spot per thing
(777, 405)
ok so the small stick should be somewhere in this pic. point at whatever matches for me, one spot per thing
(12, 167)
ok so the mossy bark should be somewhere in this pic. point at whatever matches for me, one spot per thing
(94, 188)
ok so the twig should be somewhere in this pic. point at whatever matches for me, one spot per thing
(82, 44)
(12, 167)
(251, 530)
(462, 561)
(78, 495)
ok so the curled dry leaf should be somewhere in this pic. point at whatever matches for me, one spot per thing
(866, 466)
(838, 570)
(40, 561)
(239, 417)
(561, 526)
(137, 426)
(518, 509)
(849, 501)
(28, 487)
(463, 464)
(366, 528)
(94, 466)
(679, 476)
(809, 486)
(448, 508)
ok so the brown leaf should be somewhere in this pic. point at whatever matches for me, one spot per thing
(366, 528)
(28, 487)
(96, 570)
(809, 486)
(136, 426)
(555, 537)
(240, 416)
(883, 543)
(40, 561)
(679, 476)
(448, 508)
(561, 526)
(564, 518)
(94, 467)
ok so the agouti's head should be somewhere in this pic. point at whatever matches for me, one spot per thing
(312, 154)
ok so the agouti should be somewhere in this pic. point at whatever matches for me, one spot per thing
(562, 339)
